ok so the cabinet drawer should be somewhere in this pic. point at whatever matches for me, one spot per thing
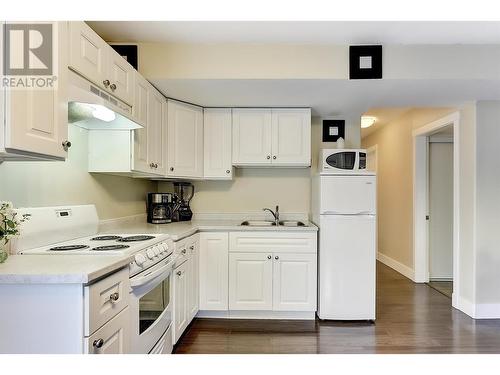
(290, 242)
(105, 299)
(112, 338)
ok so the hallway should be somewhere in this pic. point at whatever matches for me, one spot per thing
(411, 318)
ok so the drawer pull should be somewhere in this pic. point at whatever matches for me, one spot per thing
(98, 343)
(179, 273)
(191, 247)
(114, 297)
(183, 251)
(269, 257)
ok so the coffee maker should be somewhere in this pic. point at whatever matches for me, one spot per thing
(184, 192)
(160, 208)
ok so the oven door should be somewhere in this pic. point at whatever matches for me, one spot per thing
(151, 305)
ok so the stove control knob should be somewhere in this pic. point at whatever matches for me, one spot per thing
(150, 253)
(164, 247)
(140, 259)
(157, 250)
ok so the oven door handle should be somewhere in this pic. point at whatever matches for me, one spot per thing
(138, 281)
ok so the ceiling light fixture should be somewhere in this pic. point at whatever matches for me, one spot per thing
(367, 121)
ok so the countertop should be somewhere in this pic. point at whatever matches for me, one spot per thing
(84, 269)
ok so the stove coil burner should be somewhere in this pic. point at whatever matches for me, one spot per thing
(135, 238)
(68, 247)
(110, 247)
(105, 238)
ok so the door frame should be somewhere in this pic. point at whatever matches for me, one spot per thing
(421, 199)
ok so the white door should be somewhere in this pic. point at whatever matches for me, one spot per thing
(112, 338)
(250, 281)
(140, 152)
(214, 271)
(88, 54)
(156, 135)
(121, 75)
(185, 140)
(291, 137)
(193, 278)
(37, 120)
(294, 282)
(217, 124)
(252, 134)
(347, 267)
(440, 210)
(180, 317)
(348, 194)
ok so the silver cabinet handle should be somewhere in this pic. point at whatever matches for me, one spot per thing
(269, 257)
(114, 297)
(151, 165)
(112, 87)
(98, 343)
(228, 171)
(171, 169)
(66, 145)
(268, 157)
(276, 257)
(106, 83)
(191, 247)
(274, 157)
(156, 165)
(179, 273)
(183, 251)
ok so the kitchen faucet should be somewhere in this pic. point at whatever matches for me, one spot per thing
(276, 214)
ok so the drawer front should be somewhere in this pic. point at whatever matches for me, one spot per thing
(290, 242)
(112, 338)
(105, 299)
(181, 252)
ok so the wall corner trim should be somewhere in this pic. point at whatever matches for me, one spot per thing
(396, 266)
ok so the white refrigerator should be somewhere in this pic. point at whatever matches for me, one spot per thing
(344, 208)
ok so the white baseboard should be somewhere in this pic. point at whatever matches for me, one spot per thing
(487, 311)
(256, 314)
(396, 266)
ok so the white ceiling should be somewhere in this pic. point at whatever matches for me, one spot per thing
(329, 97)
(301, 32)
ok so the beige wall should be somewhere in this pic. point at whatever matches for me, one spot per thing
(254, 188)
(395, 181)
(65, 183)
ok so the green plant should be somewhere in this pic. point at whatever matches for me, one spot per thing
(9, 222)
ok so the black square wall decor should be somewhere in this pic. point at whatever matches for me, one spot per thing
(128, 52)
(333, 130)
(365, 62)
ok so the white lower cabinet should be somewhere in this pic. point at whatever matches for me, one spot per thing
(193, 278)
(180, 316)
(214, 276)
(112, 338)
(294, 282)
(250, 281)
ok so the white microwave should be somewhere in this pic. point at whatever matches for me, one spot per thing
(343, 161)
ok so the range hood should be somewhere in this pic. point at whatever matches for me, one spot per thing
(91, 108)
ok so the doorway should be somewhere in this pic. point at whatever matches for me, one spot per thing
(440, 216)
(436, 204)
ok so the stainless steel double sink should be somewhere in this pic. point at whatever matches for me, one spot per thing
(268, 223)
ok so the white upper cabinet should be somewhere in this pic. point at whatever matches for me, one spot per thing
(34, 123)
(140, 152)
(217, 143)
(280, 137)
(93, 58)
(185, 140)
(291, 137)
(252, 136)
(156, 132)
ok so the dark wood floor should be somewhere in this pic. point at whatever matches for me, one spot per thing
(445, 287)
(411, 318)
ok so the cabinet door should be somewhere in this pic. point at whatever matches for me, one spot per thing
(214, 271)
(37, 120)
(185, 140)
(140, 152)
(88, 53)
(291, 137)
(180, 318)
(120, 74)
(252, 131)
(294, 282)
(217, 123)
(193, 278)
(250, 281)
(156, 132)
(112, 338)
